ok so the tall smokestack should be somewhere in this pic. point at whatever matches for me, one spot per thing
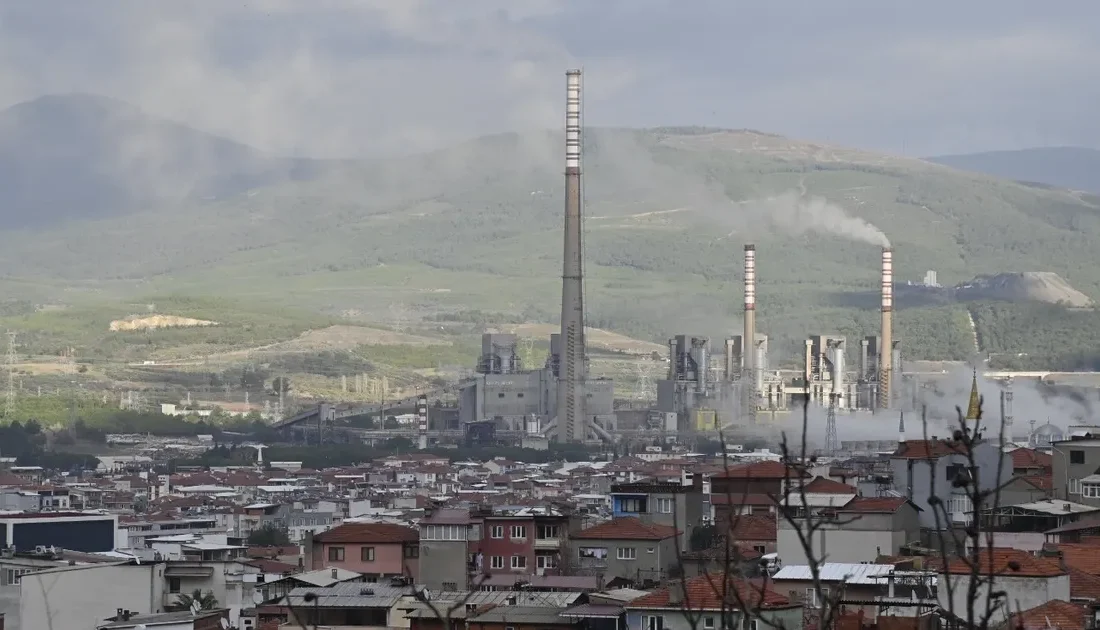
(886, 353)
(422, 417)
(571, 379)
(748, 341)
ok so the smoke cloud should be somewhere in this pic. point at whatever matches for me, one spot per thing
(797, 214)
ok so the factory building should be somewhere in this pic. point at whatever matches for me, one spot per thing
(516, 399)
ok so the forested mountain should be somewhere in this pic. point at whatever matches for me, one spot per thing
(121, 204)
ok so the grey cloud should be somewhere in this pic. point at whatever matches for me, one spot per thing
(348, 77)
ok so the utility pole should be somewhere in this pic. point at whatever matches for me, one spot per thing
(9, 407)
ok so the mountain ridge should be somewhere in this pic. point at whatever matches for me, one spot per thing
(1069, 167)
(476, 227)
(65, 156)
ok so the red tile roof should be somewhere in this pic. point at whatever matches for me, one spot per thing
(1007, 563)
(924, 449)
(1031, 458)
(1084, 585)
(762, 470)
(1053, 614)
(717, 591)
(628, 528)
(1041, 482)
(821, 485)
(364, 533)
(1084, 557)
(874, 504)
(754, 527)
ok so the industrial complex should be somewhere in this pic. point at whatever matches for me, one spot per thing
(700, 395)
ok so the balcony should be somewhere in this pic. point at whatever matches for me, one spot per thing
(551, 544)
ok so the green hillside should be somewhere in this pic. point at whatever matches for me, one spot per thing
(478, 227)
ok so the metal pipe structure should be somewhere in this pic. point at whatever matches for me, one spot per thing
(572, 424)
(748, 338)
(886, 353)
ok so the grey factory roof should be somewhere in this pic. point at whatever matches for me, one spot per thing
(583, 582)
(325, 577)
(160, 619)
(461, 600)
(501, 598)
(350, 595)
(530, 615)
(593, 611)
(848, 573)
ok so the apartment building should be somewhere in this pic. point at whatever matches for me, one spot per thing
(375, 550)
(683, 507)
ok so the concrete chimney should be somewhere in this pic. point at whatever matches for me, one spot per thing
(572, 419)
(422, 412)
(748, 340)
(886, 359)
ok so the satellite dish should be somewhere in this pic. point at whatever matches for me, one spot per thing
(257, 597)
(224, 623)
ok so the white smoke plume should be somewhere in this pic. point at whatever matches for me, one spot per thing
(797, 214)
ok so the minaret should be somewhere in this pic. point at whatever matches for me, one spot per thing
(901, 429)
(973, 409)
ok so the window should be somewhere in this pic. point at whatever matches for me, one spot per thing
(519, 395)
(173, 585)
(1077, 456)
(496, 562)
(546, 562)
(497, 531)
(367, 554)
(1090, 490)
(593, 553)
(412, 551)
(450, 586)
(336, 554)
(519, 531)
(1074, 486)
(664, 506)
(500, 395)
(760, 549)
(630, 505)
(653, 622)
(443, 532)
(953, 471)
(626, 553)
(519, 562)
(549, 531)
(708, 622)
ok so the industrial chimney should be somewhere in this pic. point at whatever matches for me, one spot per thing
(885, 350)
(422, 418)
(748, 340)
(571, 375)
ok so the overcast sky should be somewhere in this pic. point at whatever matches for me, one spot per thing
(347, 77)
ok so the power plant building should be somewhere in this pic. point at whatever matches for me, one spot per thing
(517, 399)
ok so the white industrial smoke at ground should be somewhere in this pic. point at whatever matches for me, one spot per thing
(942, 396)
